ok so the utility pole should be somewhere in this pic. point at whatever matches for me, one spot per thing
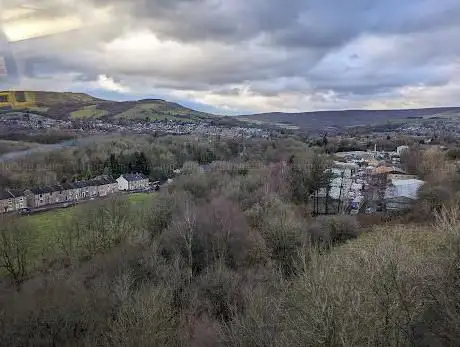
(316, 203)
(340, 193)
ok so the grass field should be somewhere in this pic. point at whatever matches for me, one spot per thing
(160, 111)
(45, 228)
(46, 221)
(139, 197)
(145, 111)
(88, 112)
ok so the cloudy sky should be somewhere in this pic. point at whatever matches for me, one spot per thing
(239, 56)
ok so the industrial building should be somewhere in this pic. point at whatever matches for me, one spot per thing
(401, 193)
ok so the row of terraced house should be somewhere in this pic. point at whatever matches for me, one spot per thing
(16, 200)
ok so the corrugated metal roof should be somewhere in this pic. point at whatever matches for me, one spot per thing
(403, 188)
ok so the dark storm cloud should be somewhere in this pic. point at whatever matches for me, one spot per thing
(314, 23)
(197, 20)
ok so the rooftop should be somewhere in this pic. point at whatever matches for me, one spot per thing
(4, 195)
(41, 190)
(16, 192)
(68, 185)
(403, 188)
(133, 177)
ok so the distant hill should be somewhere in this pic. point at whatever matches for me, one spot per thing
(49, 99)
(67, 105)
(330, 119)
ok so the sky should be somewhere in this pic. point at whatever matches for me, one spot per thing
(240, 56)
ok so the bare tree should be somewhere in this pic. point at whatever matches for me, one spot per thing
(14, 249)
(185, 229)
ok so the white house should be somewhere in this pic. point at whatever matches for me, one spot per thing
(132, 182)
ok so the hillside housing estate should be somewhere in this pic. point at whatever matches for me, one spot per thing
(16, 200)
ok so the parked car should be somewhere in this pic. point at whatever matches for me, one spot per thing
(25, 211)
(156, 185)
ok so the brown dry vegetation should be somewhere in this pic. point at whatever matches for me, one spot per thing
(233, 258)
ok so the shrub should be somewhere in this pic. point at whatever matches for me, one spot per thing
(282, 230)
(328, 230)
(435, 197)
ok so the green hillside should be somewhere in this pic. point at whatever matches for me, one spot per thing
(48, 99)
(159, 110)
(90, 111)
(67, 105)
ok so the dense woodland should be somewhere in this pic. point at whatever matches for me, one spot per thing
(156, 157)
(230, 257)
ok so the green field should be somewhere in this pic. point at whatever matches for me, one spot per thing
(137, 198)
(144, 111)
(46, 228)
(51, 220)
(161, 111)
(88, 112)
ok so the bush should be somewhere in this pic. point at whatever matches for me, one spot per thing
(435, 197)
(282, 231)
(328, 230)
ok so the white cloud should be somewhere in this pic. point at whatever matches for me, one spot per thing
(107, 83)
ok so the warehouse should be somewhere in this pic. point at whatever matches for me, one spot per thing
(402, 193)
